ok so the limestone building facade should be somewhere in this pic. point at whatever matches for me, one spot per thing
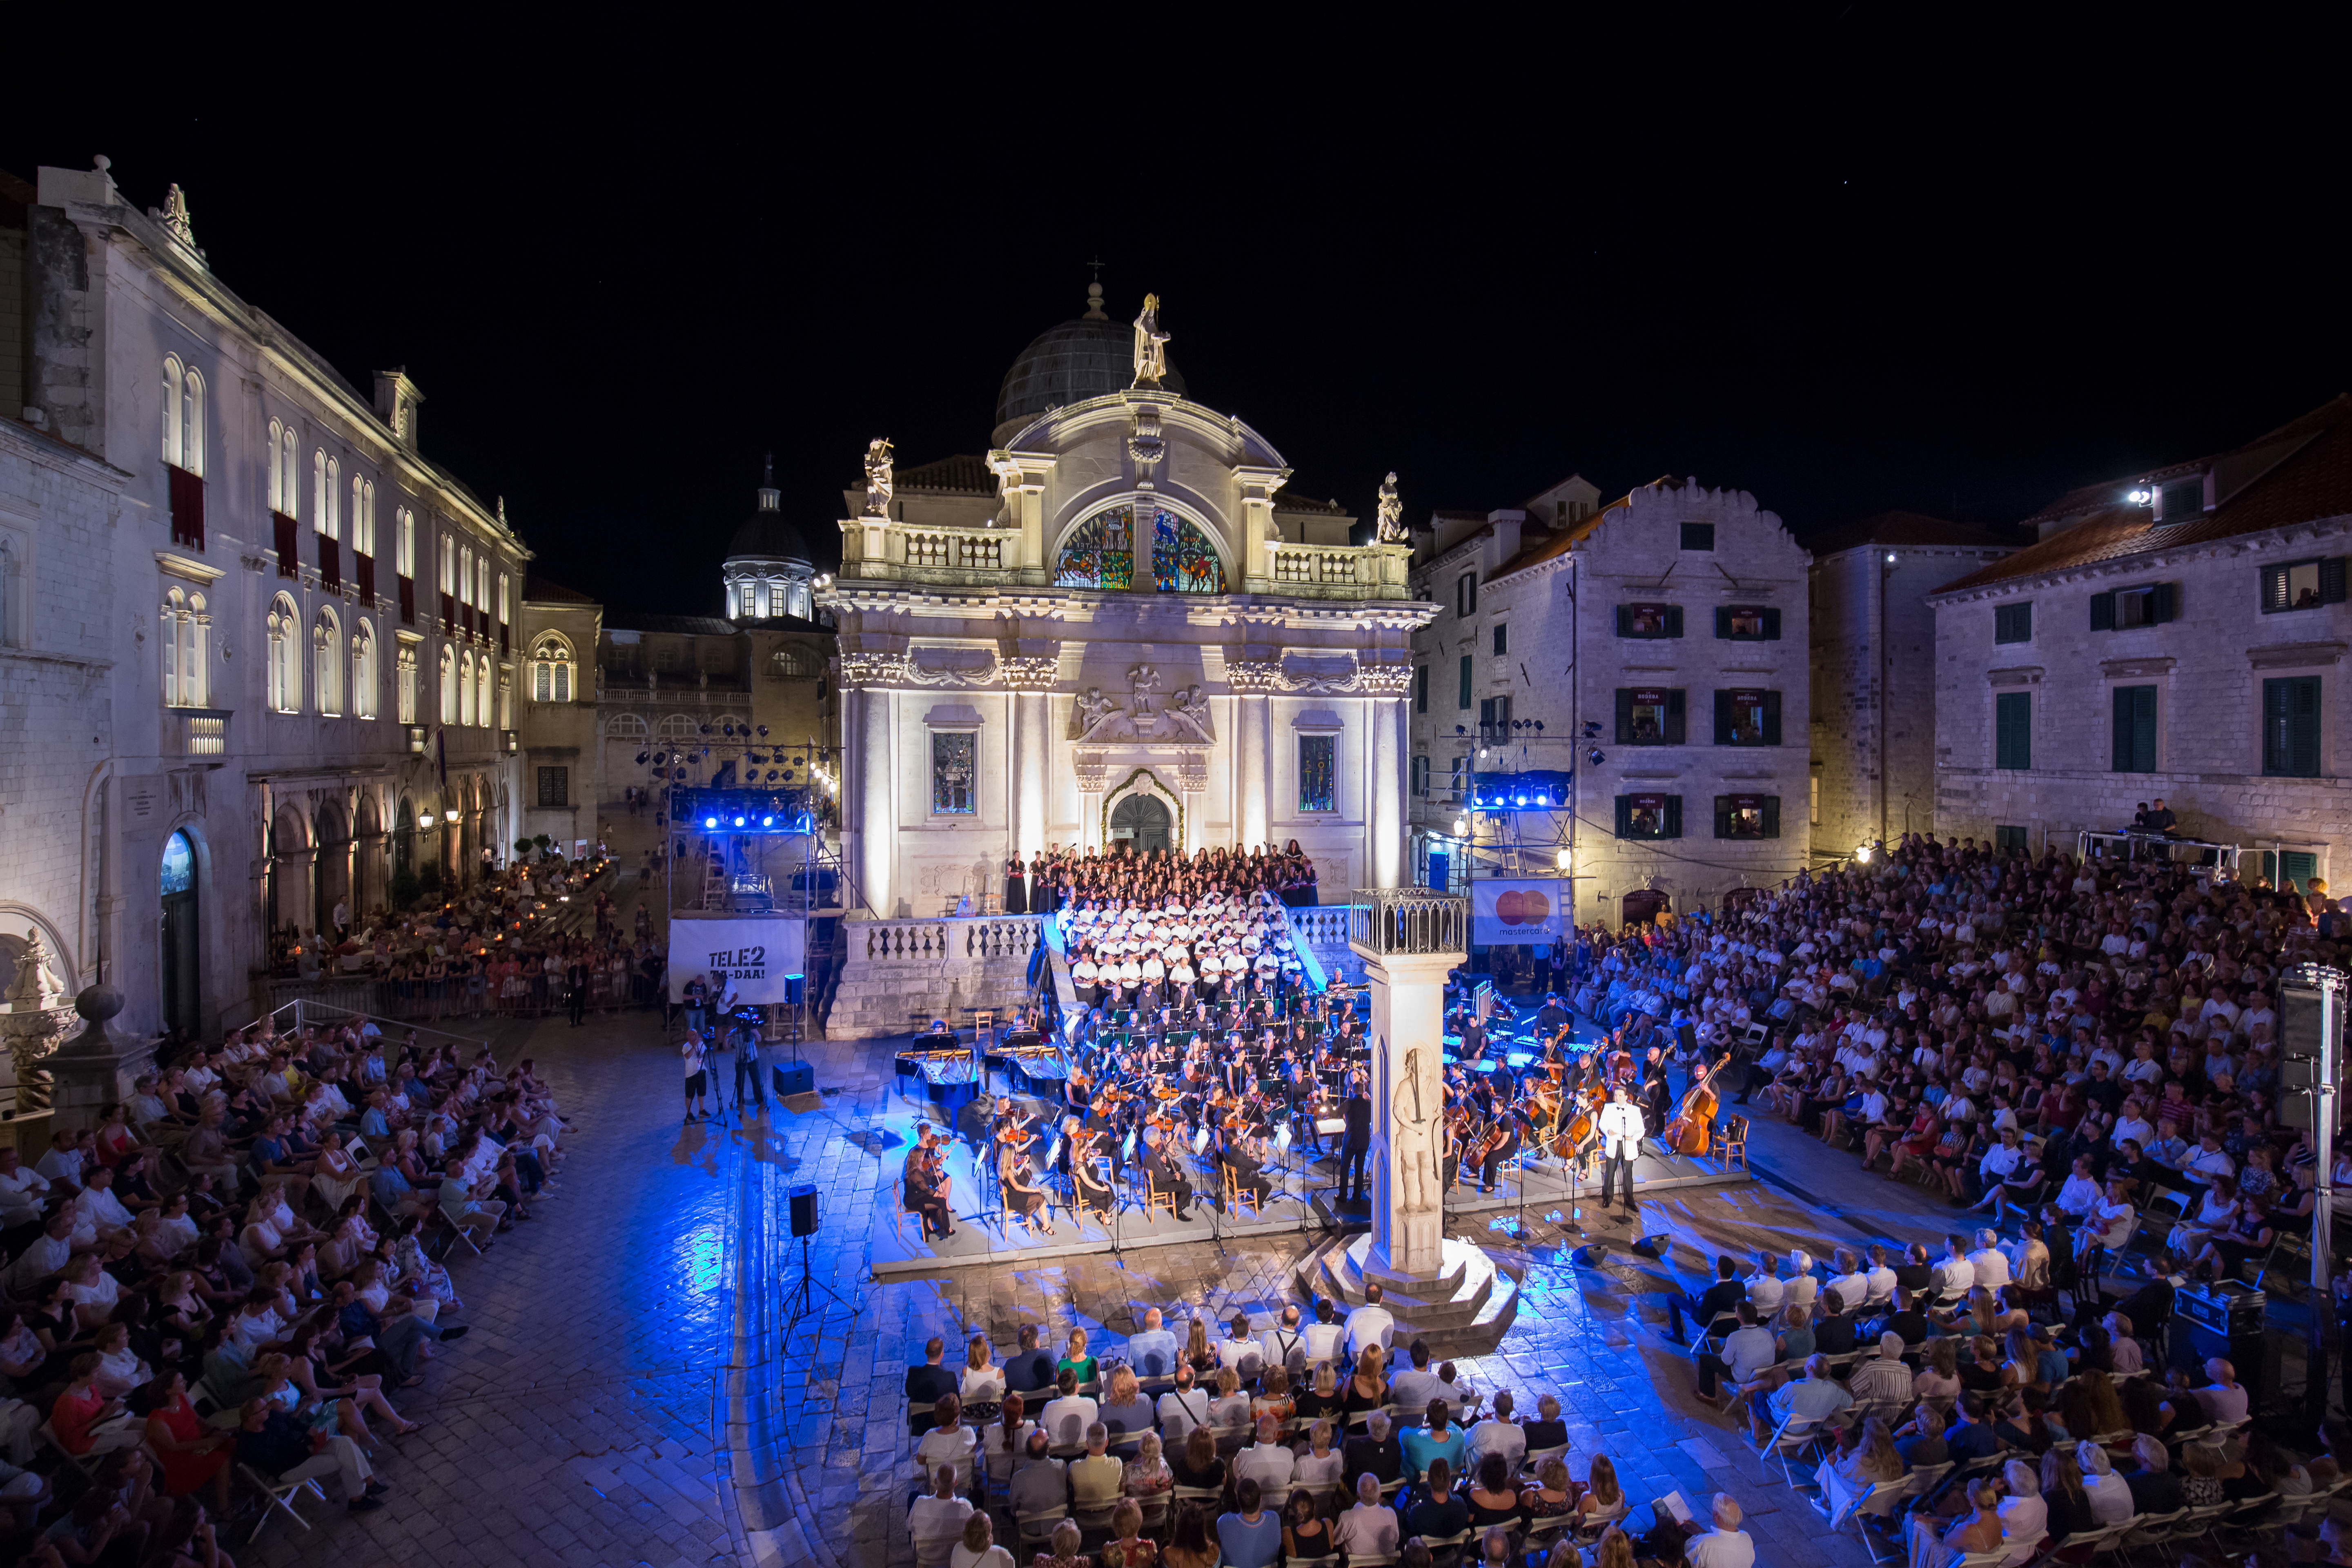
(256, 650)
(1116, 626)
(2179, 633)
(1874, 672)
(1657, 640)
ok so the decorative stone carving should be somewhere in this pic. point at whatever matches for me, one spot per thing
(1264, 677)
(1029, 672)
(1145, 444)
(860, 671)
(39, 1012)
(1384, 679)
(1253, 677)
(1183, 717)
(1392, 514)
(1151, 344)
(97, 1066)
(878, 486)
(1091, 769)
(174, 216)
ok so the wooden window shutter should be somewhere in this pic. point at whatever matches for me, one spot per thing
(1771, 625)
(1674, 620)
(1723, 718)
(1624, 716)
(1723, 816)
(1722, 621)
(2121, 749)
(2331, 580)
(2103, 612)
(1624, 815)
(1772, 816)
(1674, 717)
(1624, 620)
(1771, 718)
(2167, 601)
(1674, 816)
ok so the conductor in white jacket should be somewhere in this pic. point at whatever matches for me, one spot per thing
(1620, 1141)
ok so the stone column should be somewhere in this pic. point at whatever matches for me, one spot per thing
(1386, 687)
(98, 1067)
(1030, 677)
(1252, 681)
(1090, 771)
(1407, 993)
(871, 729)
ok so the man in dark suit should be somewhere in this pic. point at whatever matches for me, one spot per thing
(1907, 1319)
(928, 1384)
(1030, 1369)
(1356, 1145)
(1914, 1273)
(1376, 1453)
(1166, 1177)
(1833, 1334)
(1246, 1168)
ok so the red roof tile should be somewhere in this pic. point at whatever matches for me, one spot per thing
(2300, 472)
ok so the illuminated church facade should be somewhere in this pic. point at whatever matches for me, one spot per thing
(1116, 628)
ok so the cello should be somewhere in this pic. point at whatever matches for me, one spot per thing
(1693, 1121)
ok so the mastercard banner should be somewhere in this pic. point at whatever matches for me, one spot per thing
(1505, 913)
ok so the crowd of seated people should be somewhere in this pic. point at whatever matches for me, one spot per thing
(1300, 1441)
(237, 1273)
(2089, 1044)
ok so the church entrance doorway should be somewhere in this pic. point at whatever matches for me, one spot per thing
(1643, 908)
(182, 953)
(1141, 823)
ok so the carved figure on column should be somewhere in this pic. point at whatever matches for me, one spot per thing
(1392, 514)
(877, 478)
(1151, 344)
(1412, 1139)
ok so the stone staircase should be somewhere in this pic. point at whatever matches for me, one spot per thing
(1465, 1311)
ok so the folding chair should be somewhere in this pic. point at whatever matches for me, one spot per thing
(1542, 1534)
(1882, 1500)
(281, 1495)
(1037, 1529)
(1446, 1543)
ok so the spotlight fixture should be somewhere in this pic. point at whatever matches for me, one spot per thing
(727, 728)
(1593, 728)
(739, 822)
(1561, 859)
(767, 822)
(2140, 497)
(763, 731)
(642, 758)
(706, 729)
(1461, 825)
(1482, 752)
(710, 822)
(1596, 756)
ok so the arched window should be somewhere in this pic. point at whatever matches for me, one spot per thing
(288, 475)
(677, 730)
(405, 679)
(551, 670)
(318, 490)
(277, 476)
(326, 678)
(448, 686)
(329, 520)
(184, 417)
(359, 502)
(626, 727)
(175, 608)
(285, 656)
(363, 670)
(483, 711)
(793, 663)
(465, 689)
(506, 694)
(12, 619)
(404, 544)
(465, 574)
(1100, 553)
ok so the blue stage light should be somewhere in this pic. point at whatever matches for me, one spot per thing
(767, 822)
(739, 822)
(710, 822)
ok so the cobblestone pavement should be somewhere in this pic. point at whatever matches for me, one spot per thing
(574, 1424)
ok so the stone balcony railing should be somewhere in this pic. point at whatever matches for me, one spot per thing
(1337, 571)
(1403, 920)
(195, 731)
(875, 550)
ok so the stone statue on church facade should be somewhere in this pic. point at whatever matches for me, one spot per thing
(1392, 514)
(877, 478)
(1151, 344)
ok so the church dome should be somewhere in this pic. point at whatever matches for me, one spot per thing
(766, 535)
(1089, 357)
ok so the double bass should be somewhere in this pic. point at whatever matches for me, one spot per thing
(1693, 1121)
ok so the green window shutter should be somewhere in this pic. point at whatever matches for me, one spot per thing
(2296, 868)
(1624, 815)
(1723, 816)
(1772, 816)
(1771, 718)
(1421, 688)
(2291, 726)
(2013, 729)
(2143, 757)
(2167, 601)
(1723, 718)
(1624, 620)
(1624, 716)
(1674, 620)
(2331, 580)
(1674, 717)
(1722, 621)
(2273, 582)
(1771, 625)
(1673, 817)
(2305, 713)
(2120, 747)
(2276, 742)
(2103, 612)
(1462, 699)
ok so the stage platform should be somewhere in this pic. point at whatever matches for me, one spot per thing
(1305, 1200)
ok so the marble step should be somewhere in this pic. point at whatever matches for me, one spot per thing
(1465, 1312)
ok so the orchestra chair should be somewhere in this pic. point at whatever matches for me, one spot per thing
(906, 1214)
(1154, 1199)
(1238, 1196)
(1084, 1203)
(1731, 1141)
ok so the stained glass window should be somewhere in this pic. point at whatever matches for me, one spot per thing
(955, 765)
(1182, 559)
(1318, 772)
(1101, 554)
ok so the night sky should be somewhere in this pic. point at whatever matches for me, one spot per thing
(1840, 264)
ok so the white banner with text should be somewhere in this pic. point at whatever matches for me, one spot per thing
(751, 952)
